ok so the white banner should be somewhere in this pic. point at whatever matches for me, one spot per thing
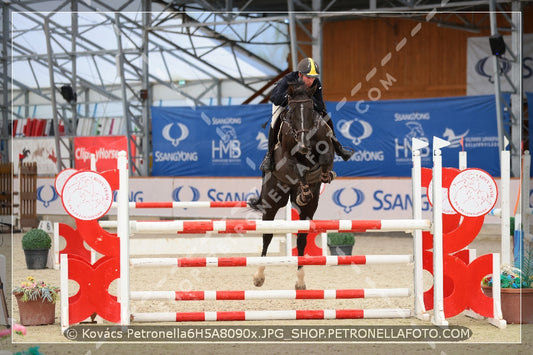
(480, 66)
(344, 198)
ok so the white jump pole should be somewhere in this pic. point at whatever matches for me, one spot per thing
(505, 181)
(288, 236)
(416, 181)
(438, 278)
(123, 232)
(64, 299)
(497, 319)
(93, 168)
(524, 209)
(324, 240)
(462, 160)
(56, 245)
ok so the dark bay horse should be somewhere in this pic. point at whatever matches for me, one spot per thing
(303, 160)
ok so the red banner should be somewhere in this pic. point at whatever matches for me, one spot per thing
(105, 148)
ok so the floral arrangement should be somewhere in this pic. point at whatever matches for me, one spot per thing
(32, 290)
(17, 328)
(31, 351)
(511, 277)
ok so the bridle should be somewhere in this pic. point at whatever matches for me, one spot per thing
(295, 131)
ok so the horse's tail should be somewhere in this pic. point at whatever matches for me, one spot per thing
(254, 203)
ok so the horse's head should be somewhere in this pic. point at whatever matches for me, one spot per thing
(301, 114)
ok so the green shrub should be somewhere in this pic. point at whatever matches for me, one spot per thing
(36, 239)
(341, 239)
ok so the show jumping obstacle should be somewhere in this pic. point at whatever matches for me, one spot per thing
(116, 260)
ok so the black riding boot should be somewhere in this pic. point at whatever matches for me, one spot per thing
(344, 153)
(268, 161)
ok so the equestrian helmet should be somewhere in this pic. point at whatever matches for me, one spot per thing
(308, 66)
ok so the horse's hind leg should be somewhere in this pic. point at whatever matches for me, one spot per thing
(301, 242)
(306, 212)
(259, 276)
(271, 207)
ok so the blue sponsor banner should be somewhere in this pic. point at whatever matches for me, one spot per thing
(229, 140)
(209, 141)
(381, 133)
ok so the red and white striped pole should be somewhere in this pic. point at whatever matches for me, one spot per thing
(273, 260)
(186, 204)
(242, 295)
(269, 315)
(241, 226)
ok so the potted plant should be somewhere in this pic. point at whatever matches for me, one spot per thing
(36, 302)
(36, 244)
(341, 243)
(515, 284)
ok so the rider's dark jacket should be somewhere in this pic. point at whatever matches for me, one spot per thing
(278, 96)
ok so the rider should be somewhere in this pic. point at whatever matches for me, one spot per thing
(308, 72)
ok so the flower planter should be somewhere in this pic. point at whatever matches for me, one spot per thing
(37, 312)
(340, 249)
(36, 258)
(510, 300)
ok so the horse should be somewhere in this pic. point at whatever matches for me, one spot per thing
(303, 159)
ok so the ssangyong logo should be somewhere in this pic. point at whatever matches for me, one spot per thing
(168, 133)
(348, 198)
(177, 194)
(354, 134)
(46, 197)
(505, 67)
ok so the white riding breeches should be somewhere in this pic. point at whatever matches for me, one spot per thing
(276, 111)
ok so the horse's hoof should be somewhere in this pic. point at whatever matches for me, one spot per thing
(259, 281)
(300, 201)
(326, 178)
(303, 200)
(299, 287)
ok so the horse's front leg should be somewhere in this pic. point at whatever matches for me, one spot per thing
(326, 165)
(305, 195)
(301, 242)
(327, 175)
(259, 276)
